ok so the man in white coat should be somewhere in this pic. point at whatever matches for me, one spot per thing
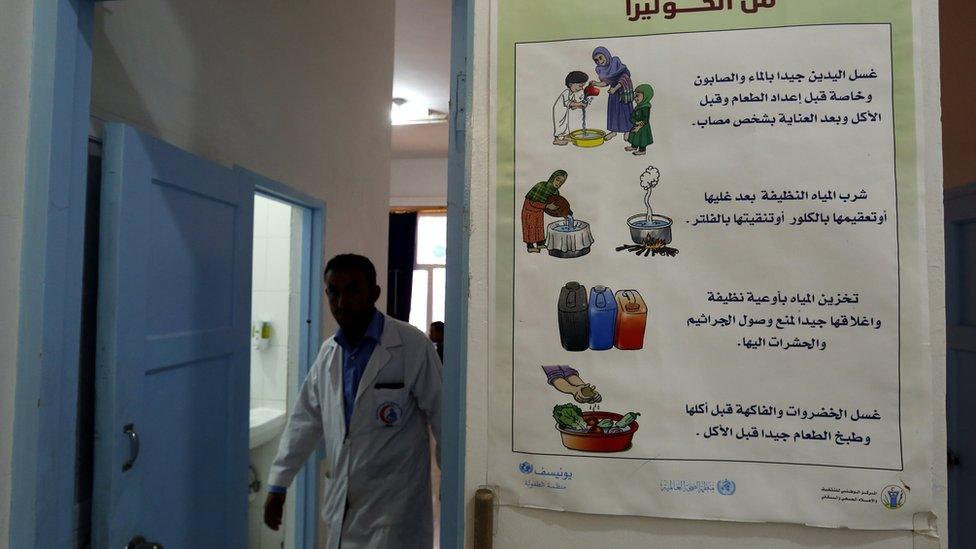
(371, 394)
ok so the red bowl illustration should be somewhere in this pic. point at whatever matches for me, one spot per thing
(591, 91)
(598, 442)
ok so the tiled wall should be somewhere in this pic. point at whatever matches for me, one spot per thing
(274, 300)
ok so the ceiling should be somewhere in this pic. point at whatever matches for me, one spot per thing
(421, 73)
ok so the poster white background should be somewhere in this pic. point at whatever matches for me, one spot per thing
(681, 364)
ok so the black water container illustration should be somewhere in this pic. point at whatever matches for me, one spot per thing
(574, 321)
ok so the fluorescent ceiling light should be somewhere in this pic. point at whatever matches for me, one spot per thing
(405, 112)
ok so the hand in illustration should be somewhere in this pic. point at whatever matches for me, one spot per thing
(567, 380)
(586, 394)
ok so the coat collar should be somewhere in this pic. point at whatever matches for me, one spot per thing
(381, 355)
(389, 339)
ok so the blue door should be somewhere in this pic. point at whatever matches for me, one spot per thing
(173, 337)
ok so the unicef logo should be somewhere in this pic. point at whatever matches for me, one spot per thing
(725, 487)
(893, 497)
(526, 468)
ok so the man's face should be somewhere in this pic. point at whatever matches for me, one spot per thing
(351, 297)
(437, 334)
(577, 87)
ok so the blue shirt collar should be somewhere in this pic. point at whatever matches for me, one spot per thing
(374, 331)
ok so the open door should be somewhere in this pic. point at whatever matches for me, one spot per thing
(171, 439)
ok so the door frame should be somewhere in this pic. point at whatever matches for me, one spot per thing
(454, 399)
(310, 337)
(49, 331)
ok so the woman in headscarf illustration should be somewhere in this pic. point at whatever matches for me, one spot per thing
(615, 75)
(542, 199)
(640, 135)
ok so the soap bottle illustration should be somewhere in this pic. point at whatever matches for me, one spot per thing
(603, 318)
(573, 317)
(631, 320)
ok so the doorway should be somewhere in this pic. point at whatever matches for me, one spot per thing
(278, 256)
(960, 217)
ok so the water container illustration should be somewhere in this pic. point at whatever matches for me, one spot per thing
(631, 320)
(603, 318)
(574, 324)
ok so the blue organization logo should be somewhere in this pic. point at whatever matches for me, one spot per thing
(389, 413)
(526, 468)
(893, 497)
(725, 487)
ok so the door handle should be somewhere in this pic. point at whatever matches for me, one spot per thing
(139, 542)
(129, 430)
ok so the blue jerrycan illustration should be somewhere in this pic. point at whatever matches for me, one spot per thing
(603, 318)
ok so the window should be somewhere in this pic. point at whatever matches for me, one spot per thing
(429, 275)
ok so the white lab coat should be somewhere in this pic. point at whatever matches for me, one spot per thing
(382, 468)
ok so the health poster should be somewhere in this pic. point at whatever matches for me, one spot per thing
(709, 292)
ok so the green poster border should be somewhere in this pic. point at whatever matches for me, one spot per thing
(519, 21)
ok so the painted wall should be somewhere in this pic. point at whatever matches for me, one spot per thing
(958, 83)
(296, 91)
(418, 182)
(275, 293)
(15, 57)
(521, 527)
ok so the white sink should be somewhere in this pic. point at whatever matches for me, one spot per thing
(265, 424)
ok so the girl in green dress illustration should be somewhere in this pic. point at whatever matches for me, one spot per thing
(640, 135)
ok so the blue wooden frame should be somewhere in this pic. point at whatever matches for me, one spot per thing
(456, 318)
(45, 413)
(313, 223)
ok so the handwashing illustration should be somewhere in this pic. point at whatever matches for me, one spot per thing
(577, 96)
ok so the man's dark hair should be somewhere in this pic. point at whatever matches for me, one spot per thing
(437, 324)
(352, 262)
(576, 77)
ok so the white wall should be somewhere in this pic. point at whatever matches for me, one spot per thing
(521, 527)
(297, 91)
(418, 182)
(15, 56)
(275, 292)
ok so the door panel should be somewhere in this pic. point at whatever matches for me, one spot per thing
(173, 320)
(960, 213)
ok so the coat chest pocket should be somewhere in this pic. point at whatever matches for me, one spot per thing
(390, 400)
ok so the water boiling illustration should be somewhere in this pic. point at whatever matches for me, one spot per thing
(650, 232)
(602, 320)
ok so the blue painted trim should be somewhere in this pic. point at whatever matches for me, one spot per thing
(313, 222)
(309, 488)
(456, 318)
(42, 510)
